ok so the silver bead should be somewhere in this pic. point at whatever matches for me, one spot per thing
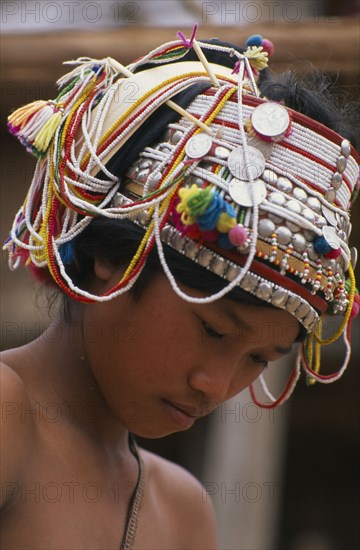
(264, 291)
(279, 297)
(299, 242)
(341, 163)
(336, 181)
(283, 235)
(292, 226)
(191, 249)
(300, 194)
(308, 215)
(345, 147)
(293, 206)
(314, 204)
(292, 303)
(204, 257)
(249, 282)
(277, 198)
(266, 227)
(284, 184)
(269, 176)
(330, 195)
(222, 152)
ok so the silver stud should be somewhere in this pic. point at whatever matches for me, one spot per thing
(277, 198)
(222, 152)
(283, 235)
(264, 291)
(118, 200)
(308, 215)
(314, 204)
(279, 298)
(300, 194)
(293, 226)
(270, 177)
(293, 206)
(242, 170)
(336, 180)
(345, 147)
(299, 242)
(276, 219)
(285, 185)
(330, 195)
(249, 282)
(341, 163)
(266, 227)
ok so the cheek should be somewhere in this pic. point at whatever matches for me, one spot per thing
(246, 375)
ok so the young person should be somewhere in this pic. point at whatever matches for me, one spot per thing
(197, 229)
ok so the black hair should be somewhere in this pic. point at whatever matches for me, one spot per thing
(117, 240)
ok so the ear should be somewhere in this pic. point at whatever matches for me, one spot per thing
(103, 269)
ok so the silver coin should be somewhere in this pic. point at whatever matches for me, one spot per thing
(330, 195)
(270, 119)
(329, 215)
(341, 163)
(330, 236)
(241, 170)
(336, 181)
(198, 146)
(240, 191)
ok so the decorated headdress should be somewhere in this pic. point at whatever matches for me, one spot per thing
(245, 187)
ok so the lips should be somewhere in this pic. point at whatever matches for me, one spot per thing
(193, 412)
(182, 415)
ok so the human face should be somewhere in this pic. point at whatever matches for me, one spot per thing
(161, 362)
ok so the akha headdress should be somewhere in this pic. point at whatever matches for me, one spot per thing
(245, 187)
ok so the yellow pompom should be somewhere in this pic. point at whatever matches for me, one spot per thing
(257, 56)
(225, 222)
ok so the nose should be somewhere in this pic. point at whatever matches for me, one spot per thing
(214, 383)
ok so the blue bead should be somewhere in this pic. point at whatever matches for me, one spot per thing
(66, 252)
(254, 40)
(321, 246)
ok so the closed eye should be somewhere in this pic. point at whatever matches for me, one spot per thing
(259, 360)
(211, 331)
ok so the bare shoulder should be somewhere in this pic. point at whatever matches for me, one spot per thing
(192, 515)
(15, 431)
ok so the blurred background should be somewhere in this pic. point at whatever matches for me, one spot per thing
(286, 479)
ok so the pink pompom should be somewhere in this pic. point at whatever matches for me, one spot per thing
(355, 310)
(268, 46)
(238, 235)
(334, 253)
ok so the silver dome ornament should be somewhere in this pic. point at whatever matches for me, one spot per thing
(276, 198)
(292, 304)
(341, 163)
(336, 181)
(276, 219)
(241, 192)
(293, 226)
(299, 194)
(205, 257)
(270, 120)
(303, 310)
(270, 177)
(166, 234)
(283, 235)
(345, 147)
(308, 215)
(191, 249)
(218, 265)
(293, 206)
(232, 272)
(314, 204)
(240, 169)
(178, 242)
(198, 146)
(284, 185)
(266, 227)
(279, 297)
(299, 242)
